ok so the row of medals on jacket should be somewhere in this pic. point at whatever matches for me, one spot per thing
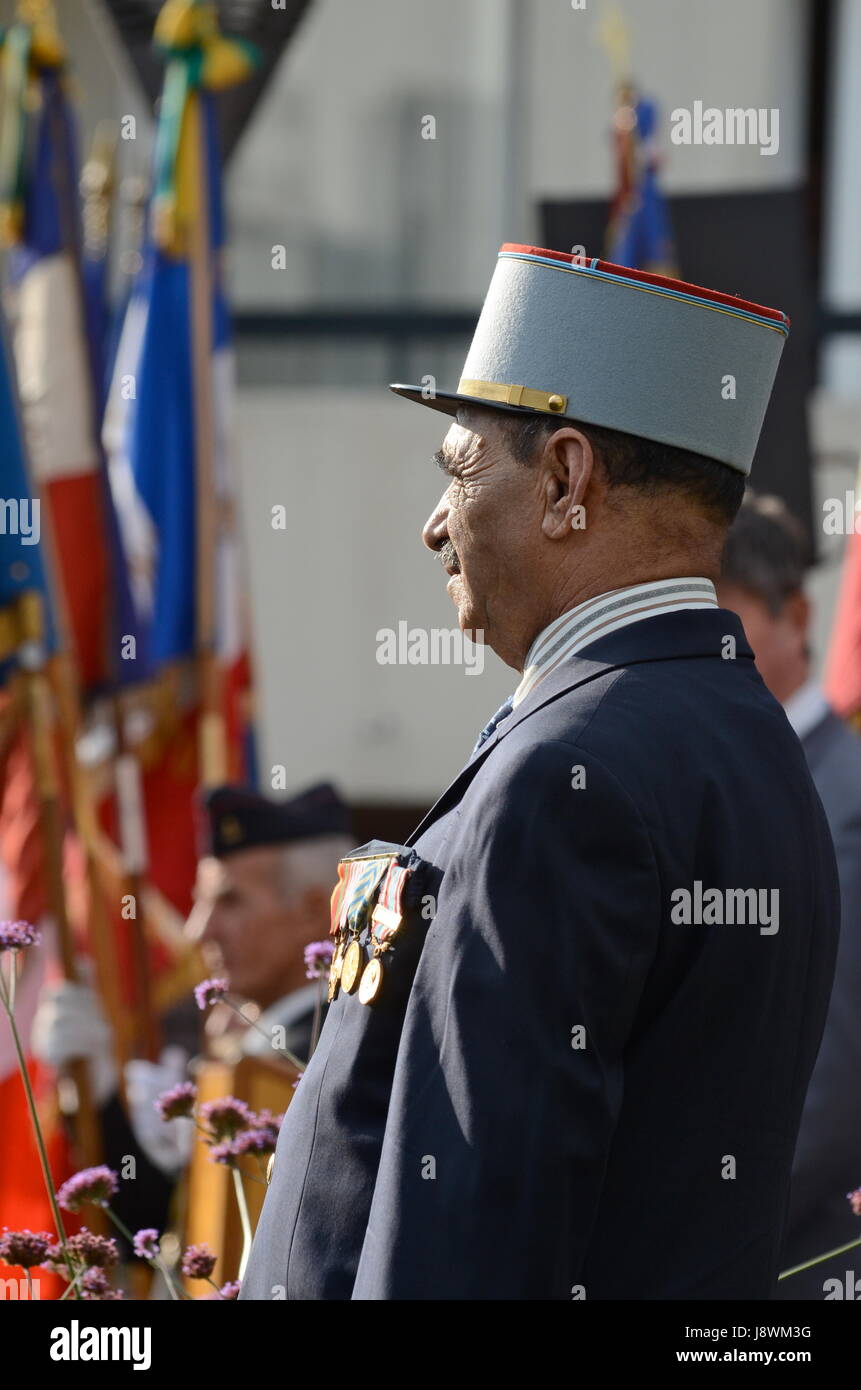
(350, 963)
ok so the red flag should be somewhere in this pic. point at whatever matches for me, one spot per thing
(843, 668)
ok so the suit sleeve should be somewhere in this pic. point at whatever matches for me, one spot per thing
(828, 1154)
(509, 1075)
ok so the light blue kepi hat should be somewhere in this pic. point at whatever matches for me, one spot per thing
(589, 341)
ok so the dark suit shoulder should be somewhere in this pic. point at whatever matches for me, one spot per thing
(833, 754)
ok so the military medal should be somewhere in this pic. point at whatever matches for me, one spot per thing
(335, 972)
(386, 920)
(351, 966)
(358, 880)
(372, 978)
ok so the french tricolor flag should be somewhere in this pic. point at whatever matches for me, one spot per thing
(55, 380)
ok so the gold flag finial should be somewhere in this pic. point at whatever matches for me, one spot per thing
(46, 46)
(613, 35)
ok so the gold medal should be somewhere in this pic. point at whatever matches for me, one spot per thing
(372, 978)
(335, 972)
(352, 964)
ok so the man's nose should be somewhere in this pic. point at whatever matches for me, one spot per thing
(435, 529)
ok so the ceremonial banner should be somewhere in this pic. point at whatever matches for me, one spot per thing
(169, 405)
(843, 667)
(639, 234)
(23, 887)
(41, 222)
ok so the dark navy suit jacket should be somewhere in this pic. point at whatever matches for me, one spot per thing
(561, 1092)
(827, 1161)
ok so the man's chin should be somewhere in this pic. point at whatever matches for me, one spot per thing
(468, 620)
(468, 625)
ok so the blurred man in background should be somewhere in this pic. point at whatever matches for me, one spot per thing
(262, 895)
(764, 566)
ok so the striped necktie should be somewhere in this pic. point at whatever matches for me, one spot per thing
(502, 713)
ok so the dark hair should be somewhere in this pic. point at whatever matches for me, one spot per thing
(766, 552)
(642, 464)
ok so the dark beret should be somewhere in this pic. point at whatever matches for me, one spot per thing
(237, 818)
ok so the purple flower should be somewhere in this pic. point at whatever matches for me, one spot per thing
(251, 1141)
(14, 936)
(24, 1248)
(198, 1262)
(318, 958)
(230, 1290)
(265, 1120)
(96, 1185)
(94, 1285)
(178, 1102)
(96, 1252)
(854, 1199)
(209, 992)
(223, 1152)
(145, 1244)
(225, 1118)
(55, 1261)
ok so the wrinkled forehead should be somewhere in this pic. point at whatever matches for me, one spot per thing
(467, 436)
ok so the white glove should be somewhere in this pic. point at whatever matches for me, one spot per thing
(69, 1024)
(166, 1143)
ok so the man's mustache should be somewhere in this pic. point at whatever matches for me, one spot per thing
(448, 558)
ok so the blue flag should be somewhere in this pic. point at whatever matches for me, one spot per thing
(22, 570)
(640, 235)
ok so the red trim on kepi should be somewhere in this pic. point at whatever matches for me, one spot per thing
(664, 281)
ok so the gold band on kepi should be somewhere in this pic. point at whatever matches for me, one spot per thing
(599, 344)
(551, 401)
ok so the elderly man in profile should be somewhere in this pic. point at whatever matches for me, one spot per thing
(574, 1017)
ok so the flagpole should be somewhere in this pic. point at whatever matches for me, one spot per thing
(38, 700)
(212, 731)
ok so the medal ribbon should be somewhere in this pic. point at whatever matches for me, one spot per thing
(388, 913)
(364, 875)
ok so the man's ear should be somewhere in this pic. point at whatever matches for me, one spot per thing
(567, 464)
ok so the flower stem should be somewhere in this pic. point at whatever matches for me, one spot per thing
(72, 1288)
(157, 1263)
(244, 1220)
(808, 1264)
(285, 1052)
(7, 998)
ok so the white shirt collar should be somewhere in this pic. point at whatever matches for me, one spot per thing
(597, 617)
